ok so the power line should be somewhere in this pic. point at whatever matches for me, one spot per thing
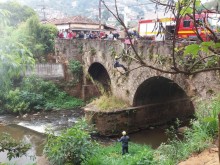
(143, 4)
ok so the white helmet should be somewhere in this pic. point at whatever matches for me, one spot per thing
(123, 133)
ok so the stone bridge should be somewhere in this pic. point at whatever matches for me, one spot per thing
(159, 97)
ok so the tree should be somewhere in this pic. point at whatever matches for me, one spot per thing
(4, 14)
(18, 13)
(195, 58)
(14, 56)
(20, 45)
(38, 37)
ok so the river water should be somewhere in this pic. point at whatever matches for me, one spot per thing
(31, 129)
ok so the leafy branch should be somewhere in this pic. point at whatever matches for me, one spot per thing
(14, 149)
(199, 51)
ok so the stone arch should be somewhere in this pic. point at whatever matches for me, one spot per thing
(99, 74)
(163, 98)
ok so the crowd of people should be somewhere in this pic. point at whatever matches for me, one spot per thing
(69, 34)
(112, 35)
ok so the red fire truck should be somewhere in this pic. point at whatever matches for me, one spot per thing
(163, 28)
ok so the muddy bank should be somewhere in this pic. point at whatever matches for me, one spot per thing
(206, 157)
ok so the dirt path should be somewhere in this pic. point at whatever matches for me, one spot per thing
(207, 157)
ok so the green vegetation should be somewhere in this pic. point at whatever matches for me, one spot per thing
(38, 37)
(111, 155)
(14, 148)
(21, 29)
(36, 94)
(76, 68)
(18, 13)
(201, 134)
(13, 54)
(109, 102)
(72, 146)
(21, 41)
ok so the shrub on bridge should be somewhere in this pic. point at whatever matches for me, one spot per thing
(76, 68)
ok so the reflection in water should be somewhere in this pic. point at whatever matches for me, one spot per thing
(152, 137)
(36, 140)
(31, 128)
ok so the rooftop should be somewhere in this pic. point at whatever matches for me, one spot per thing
(73, 19)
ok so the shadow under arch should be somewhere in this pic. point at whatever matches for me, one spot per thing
(164, 99)
(99, 74)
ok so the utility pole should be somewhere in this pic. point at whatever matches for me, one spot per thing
(99, 16)
(43, 10)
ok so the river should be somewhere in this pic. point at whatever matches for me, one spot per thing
(31, 129)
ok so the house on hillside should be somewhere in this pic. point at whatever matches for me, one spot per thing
(78, 23)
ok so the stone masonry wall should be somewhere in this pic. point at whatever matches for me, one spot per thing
(137, 118)
(47, 71)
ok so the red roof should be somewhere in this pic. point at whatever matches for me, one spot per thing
(74, 19)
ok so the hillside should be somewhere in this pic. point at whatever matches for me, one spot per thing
(132, 9)
(61, 8)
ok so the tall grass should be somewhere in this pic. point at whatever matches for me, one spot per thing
(198, 137)
(111, 155)
(109, 102)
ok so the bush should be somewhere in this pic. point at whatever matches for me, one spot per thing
(64, 101)
(35, 100)
(15, 103)
(39, 86)
(36, 94)
(73, 145)
(76, 68)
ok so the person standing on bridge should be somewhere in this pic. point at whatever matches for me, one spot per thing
(124, 140)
